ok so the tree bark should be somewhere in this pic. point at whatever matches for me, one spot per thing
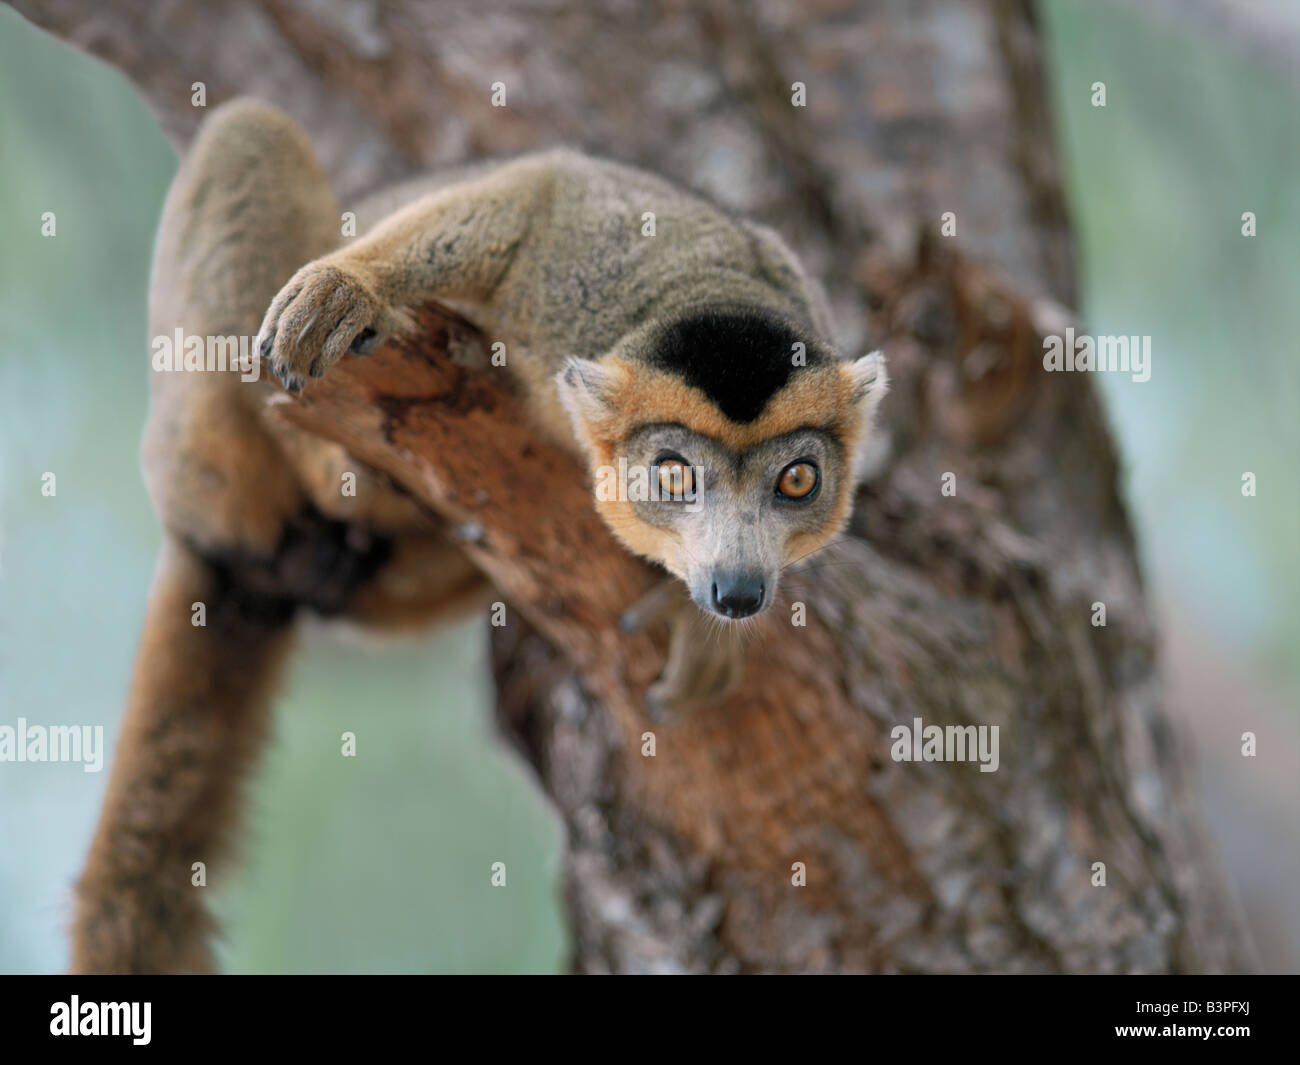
(973, 608)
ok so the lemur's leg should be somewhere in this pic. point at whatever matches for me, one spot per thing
(248, 206)
(427, 580)
(455, 243)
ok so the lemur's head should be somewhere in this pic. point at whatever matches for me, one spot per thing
(724, 445)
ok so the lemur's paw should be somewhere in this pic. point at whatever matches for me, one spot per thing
(665, 601)
(703, 664)
(325, 311)
(690, 684)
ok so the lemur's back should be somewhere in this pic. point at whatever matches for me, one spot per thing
(613, 248)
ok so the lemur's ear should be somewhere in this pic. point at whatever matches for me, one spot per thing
(586, 390)
(868, 383)
(869, 378)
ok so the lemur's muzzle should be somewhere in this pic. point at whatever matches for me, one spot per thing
(738, 595)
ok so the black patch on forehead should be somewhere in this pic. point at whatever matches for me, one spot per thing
(738, 357)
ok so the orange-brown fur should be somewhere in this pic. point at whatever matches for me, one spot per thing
(196, 717)
(820, 397)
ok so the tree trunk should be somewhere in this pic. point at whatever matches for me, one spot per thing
(972, 608)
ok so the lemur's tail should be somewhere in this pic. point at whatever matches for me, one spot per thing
(197, 714)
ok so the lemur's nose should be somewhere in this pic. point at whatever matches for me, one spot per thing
(738, 595)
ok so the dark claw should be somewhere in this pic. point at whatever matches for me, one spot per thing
(317, 370)
(265, 346)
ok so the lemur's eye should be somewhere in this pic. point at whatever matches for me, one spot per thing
(675, 477)
(798, 481)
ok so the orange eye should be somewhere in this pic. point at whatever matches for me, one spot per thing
(797, 480)
(675, 477)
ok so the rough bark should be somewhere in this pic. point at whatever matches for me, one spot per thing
(972, 609)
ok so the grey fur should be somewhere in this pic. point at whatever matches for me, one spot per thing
(546, 253)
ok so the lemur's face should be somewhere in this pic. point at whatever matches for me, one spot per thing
(724, 482)
(729, 520)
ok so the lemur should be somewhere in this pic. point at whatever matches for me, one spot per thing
(702, 353)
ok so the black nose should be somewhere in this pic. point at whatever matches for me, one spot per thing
(738, 596)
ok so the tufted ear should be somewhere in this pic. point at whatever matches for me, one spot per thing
(586, 389)
(868, 382)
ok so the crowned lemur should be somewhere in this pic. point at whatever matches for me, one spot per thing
(701, 354)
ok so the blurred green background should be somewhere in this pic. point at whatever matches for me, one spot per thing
(381, 863)
(1194, 133)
